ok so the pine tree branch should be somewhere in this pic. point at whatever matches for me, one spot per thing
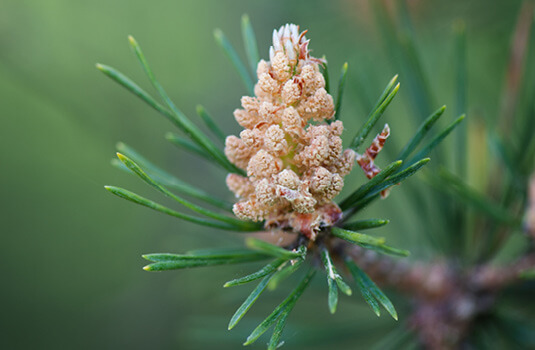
(446, 299)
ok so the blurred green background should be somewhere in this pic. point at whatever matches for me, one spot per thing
(71, 252)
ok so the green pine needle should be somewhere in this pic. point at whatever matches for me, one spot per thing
(187, 145)
(165, 261)
(363, 190)
(264, 271)
(133, 197)
(344, 287)
(384, 249)
(218, 252)
(284, 273)
(424, 152)
(460, 93)
(469, 196)
(249, 42)
(366, 294)
(365, 224)
(356, 238)
(275, 250)
(341, 85)
(223, 218)
(382, 103)
(325, 71)
(374, 192)
(210, 123)
(414, 72)
(366, 241)
(242, 310)
(127, 83)
(207, 254)
(136, 90)
(275, 342)
(421, 133)
(367, 287)
(167, 179)
(332, 298)
(176, 117)
(285, 307)
(331, 275)
(402, 38)
(236, 61)
(504, 153)
(395, 179)
(180, 119)
(334, 281)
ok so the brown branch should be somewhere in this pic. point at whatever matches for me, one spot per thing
(446, 300)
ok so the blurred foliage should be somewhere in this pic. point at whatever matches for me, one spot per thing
(68, 254)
